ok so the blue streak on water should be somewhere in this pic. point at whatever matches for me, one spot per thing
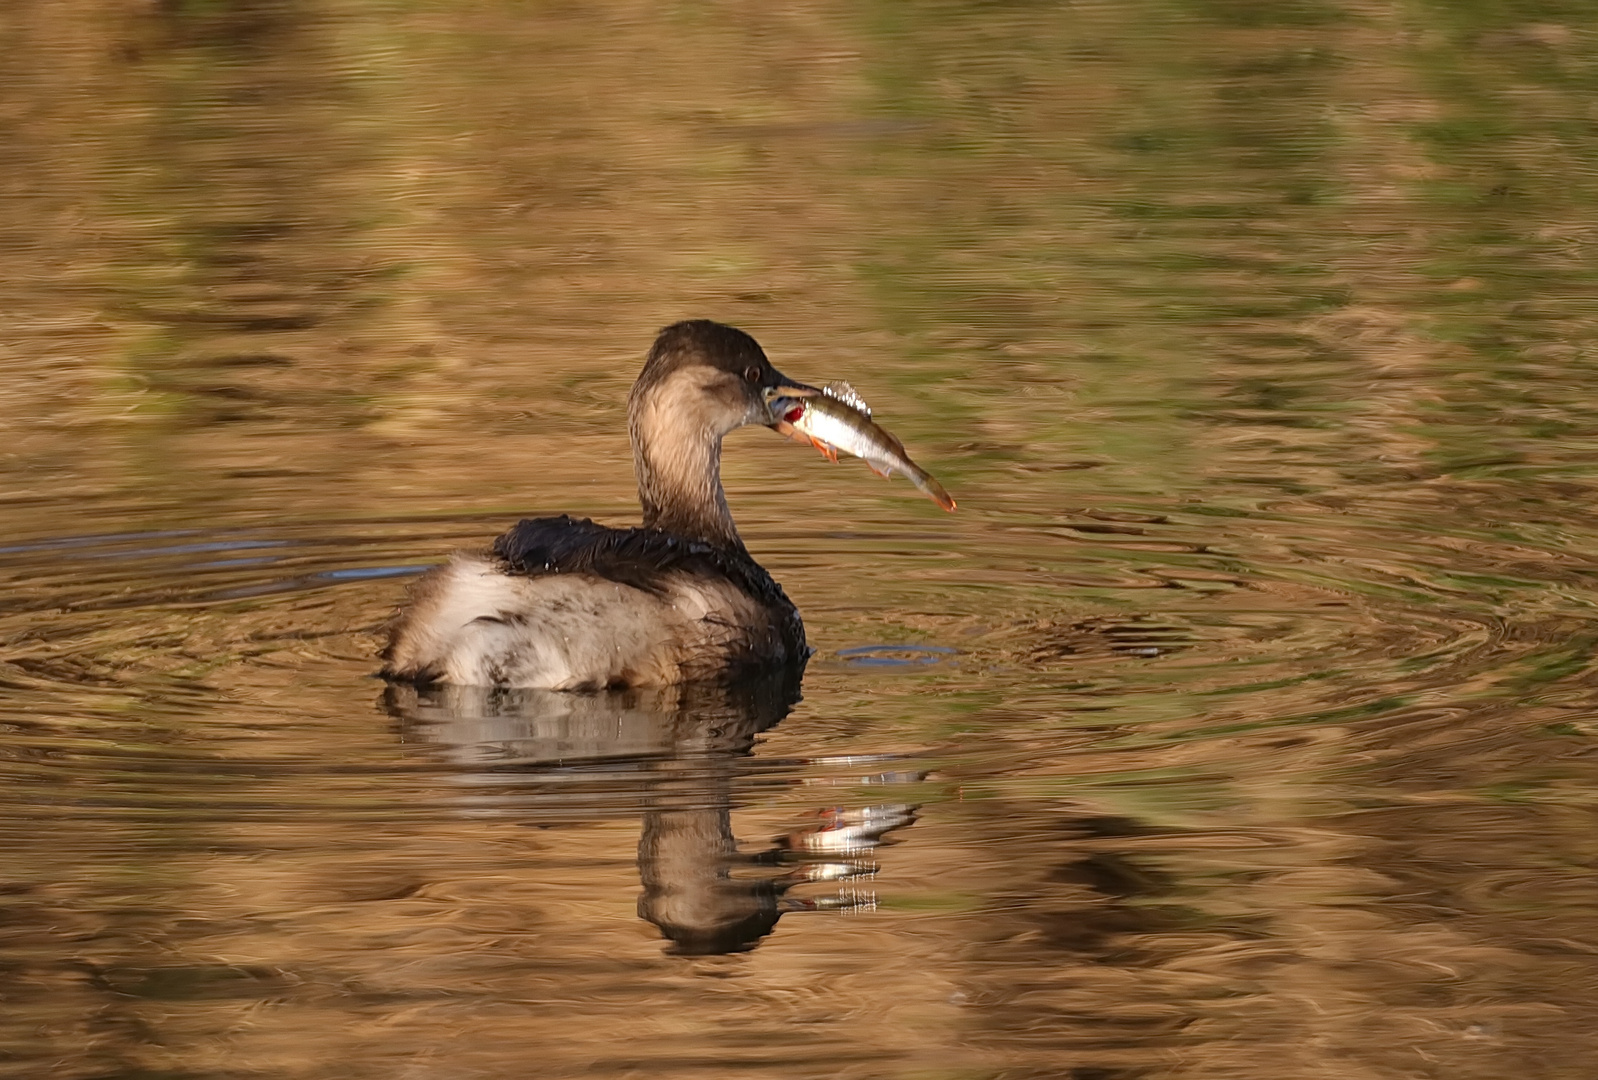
(318, 580)
(190, 549)
(85, 541)
(370, 573)
(873, 655)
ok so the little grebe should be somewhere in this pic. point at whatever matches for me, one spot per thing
(562, 603)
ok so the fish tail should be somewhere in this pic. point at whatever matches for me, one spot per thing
(930, 486)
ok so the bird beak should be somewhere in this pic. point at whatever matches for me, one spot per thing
(785, 400)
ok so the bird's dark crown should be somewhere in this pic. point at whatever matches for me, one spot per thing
(703, 343)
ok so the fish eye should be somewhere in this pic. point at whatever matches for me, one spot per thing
(752, 373)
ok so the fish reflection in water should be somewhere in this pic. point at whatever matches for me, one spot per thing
(671, 755)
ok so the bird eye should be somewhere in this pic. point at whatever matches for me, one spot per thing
(752, 373)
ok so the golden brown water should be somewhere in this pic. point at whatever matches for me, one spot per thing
(1239, 726)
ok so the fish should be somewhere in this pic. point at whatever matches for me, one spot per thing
(838, 420)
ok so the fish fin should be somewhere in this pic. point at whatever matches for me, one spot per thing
(827, 451)
(847, 394)
(885, 473)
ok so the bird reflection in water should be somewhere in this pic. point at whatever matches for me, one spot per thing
(671, 755)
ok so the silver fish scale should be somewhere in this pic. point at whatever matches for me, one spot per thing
(847, 394)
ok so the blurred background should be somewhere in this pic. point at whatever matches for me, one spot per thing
(1239, 725)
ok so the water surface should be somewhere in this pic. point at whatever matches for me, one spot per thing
(1239, 724)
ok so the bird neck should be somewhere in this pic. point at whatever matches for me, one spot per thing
(679, 482)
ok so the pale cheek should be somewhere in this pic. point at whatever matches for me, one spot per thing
(701, 400)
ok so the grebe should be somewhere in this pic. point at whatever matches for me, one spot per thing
(561, 603)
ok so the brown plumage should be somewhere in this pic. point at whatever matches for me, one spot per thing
(562, 603)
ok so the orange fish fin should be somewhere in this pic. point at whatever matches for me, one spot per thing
(826, 450)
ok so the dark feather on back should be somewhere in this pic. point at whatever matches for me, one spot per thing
(638, 557)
